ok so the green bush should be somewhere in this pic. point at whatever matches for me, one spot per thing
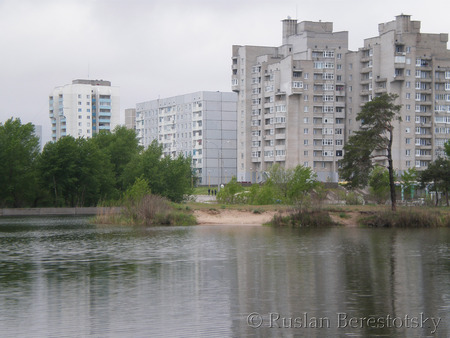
(304, 218)
(407, 218)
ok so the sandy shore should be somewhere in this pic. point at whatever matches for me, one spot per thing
(232, 217)
(241, 217)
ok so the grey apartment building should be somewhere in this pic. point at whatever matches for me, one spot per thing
(416, 67)
(297, 103)
(201, 125)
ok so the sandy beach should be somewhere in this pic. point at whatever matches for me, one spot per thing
(232, 217)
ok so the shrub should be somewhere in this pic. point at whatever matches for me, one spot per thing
(407, 218)
(304, 218)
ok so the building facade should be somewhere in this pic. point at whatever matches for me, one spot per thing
(130, 118)
(201, 125)
(297, 103)
(291, 103)
(415, 66)
(84, 108)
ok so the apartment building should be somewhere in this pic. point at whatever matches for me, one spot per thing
(291, 101)
(201, 125)
(416, 67)
(130, 118)
(84, 108)
(297, 103)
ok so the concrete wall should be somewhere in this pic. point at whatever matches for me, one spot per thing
(56, 211)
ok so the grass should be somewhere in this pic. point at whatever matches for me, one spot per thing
(150, 210)
(407, 218)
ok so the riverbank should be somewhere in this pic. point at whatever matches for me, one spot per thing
(88, 211)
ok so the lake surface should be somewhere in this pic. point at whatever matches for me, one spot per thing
(64, 277)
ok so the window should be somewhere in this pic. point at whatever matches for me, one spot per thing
(408, 141)
(327, 142)
(408, 118)
(339, 142)
(408, 152)
(305, 142)
(338, 131)
(306, 120)
(305, 131)
(407, 130)
(339, 153)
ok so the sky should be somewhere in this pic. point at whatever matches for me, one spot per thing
(161, 48)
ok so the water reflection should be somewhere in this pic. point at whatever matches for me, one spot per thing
(65, 277)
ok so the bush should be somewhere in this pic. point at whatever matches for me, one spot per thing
(407, 218)
(304, 218)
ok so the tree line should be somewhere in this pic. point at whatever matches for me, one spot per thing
(84, 172)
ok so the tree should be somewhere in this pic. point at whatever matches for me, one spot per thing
(121, 146)
(409, 179)
(229, 194)
(167, 177)
(379, 183)
(280, 177)
(437, 177)
(19, 148)
(373, 141)
(76, 172)
(303, 181)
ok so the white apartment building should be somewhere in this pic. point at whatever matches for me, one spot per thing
(297, 103)
(416, 67)
(291, 101)
(201, 125)
(84, 108)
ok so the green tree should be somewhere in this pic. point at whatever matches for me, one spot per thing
(303, 181)
(76, 172)
(121, 146)
(379, 184)
(409, 179)
(19, 148)
(280, 178)
(229, 194)
(437, 177)
(373, 141)
(167, 177)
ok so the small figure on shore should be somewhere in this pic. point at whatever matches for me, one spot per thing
(215, 192)
(209, 192)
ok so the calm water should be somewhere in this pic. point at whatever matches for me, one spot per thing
(63, 277)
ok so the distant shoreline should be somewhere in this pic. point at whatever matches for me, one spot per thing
(88, 211)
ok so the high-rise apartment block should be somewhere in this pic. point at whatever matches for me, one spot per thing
(84, 108)
(201, 125)
(297, 103)
(416, 67)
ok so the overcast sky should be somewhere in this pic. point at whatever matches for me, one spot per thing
(152, 48)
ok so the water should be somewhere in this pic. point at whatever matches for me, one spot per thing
(64, 277)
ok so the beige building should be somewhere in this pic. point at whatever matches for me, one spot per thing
(130, 118)
(298, 102)
(416, 67)
(291, 102)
